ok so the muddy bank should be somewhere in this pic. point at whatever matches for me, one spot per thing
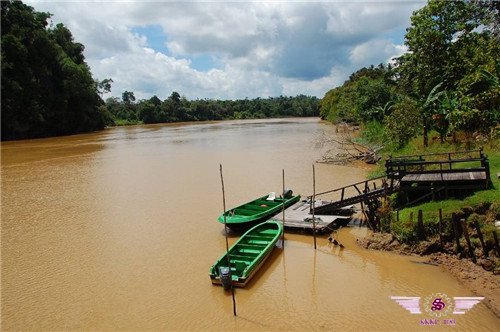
(482, 278)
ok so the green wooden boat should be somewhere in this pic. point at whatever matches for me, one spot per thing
(257, 211)
(247, 255)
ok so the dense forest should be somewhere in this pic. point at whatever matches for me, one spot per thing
(449, 81)
(176, 108)
(48, 89)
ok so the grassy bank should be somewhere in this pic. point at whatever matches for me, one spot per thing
(483, 206)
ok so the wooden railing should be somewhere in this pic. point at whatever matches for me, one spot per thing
(363, 191)
(398, 167)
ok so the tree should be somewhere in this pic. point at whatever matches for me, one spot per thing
(128, 97)
(103, 86)
(404, 122)
(360, 97)
(450, 43)
(47, 88)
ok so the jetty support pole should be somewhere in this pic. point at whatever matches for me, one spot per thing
(456, 231)
(467, 239)
(420, 225)
(497, 246)
(283, 235)
(313, 206)
(227, 242)
(481, 238)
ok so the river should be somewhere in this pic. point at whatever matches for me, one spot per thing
(117, 230)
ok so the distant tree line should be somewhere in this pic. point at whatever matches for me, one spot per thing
(447, 82)
(176, 109)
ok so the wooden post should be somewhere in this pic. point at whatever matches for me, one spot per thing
(441, 228)
(397, 215)
(467, 239)
(313, 206)
(456, 231)
(227, 243)
(481, 239)
(497, 246)
(420, 225)
(283, 236)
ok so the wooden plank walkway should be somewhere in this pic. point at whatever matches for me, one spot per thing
(299, 219)
(434, 177)
(364, 191)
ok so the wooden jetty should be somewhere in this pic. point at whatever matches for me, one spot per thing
(415, 177)
(440, 172)
(298, 218)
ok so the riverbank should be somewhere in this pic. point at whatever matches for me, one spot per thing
(480, 208)
(476, 278)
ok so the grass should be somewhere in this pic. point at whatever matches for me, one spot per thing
(404, 229)
(123, 122)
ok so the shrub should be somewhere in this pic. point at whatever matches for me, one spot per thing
(404, 122)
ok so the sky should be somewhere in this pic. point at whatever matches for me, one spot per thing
(232, 49)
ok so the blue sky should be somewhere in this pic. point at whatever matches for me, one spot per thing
(228, 50)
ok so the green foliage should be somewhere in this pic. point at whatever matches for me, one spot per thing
(47, 88)
(366, 96)
(176, 108)
(403, 123)
(373, 133)
(447, 82)
(451, 66)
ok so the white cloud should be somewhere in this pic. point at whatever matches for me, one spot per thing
(261, 48)
(381, 50)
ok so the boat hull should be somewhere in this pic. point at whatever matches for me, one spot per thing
(247, 215)
(248, 254)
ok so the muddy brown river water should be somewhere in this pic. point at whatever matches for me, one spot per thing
(116, 230)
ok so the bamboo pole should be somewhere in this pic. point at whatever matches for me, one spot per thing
(227, 242)
(441, 228)
(283, 235)
(313, 206)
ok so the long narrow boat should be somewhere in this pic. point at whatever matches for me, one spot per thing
(246, 256)
(259, 210)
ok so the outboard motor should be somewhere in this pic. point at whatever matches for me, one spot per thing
(225, 277)
(288, 193)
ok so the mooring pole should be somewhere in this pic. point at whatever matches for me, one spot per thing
(313, 206)
(227, 242)
(283, 235)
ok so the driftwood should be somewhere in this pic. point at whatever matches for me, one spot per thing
(345, 150)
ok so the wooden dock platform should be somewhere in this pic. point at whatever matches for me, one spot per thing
(434, 177)
(452, 170)
(299, 219)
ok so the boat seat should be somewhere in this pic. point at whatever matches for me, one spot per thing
(244, 212)
(259, 242)
(255, 207)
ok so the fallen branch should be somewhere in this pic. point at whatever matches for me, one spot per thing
(347, 151)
